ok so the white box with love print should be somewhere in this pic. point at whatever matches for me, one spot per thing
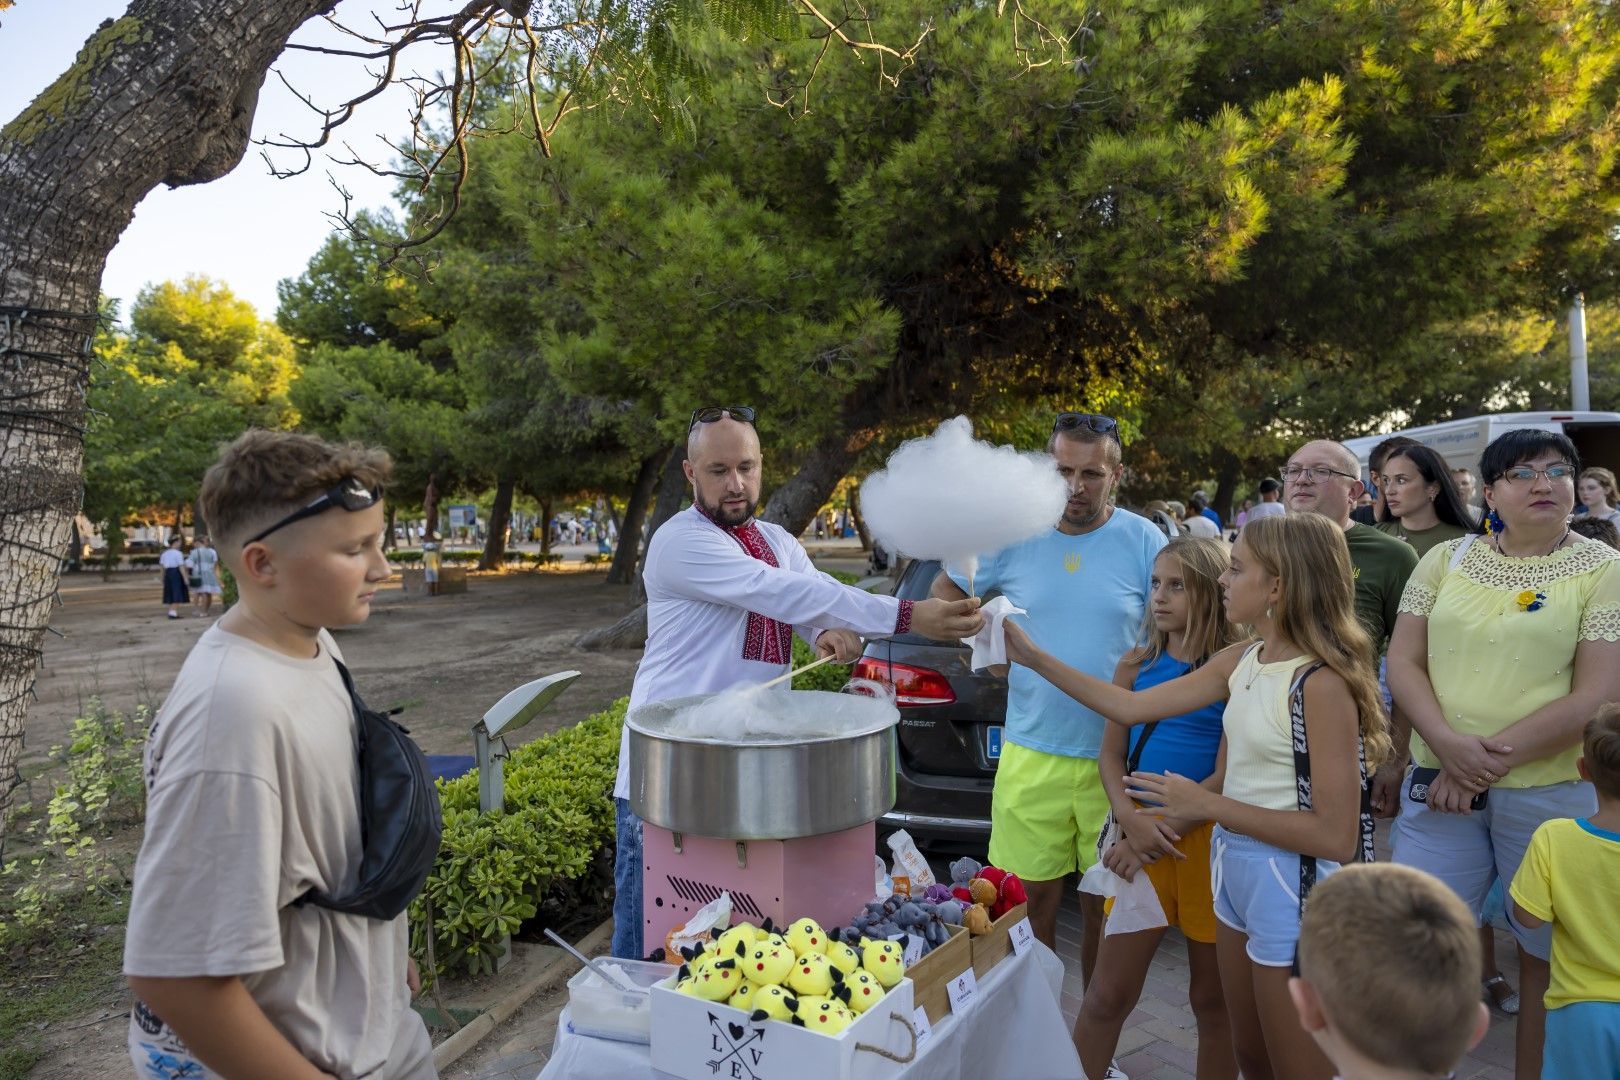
(702, 1040)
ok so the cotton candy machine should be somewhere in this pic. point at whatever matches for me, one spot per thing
(776, 804)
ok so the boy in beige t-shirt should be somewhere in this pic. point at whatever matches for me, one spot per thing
(252, 799)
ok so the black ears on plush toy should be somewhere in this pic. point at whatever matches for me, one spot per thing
(767, 926)
(791, 1003)
(841, 992)
(798, 1021)
(657, 955)
(714, 933)
(758, 1014)
(725, 963)
(740, 950)
(837, 975)
(684, 973)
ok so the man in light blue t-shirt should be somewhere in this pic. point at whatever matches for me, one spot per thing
(1085, 585)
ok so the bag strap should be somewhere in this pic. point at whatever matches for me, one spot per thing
(1302, 781)
(1135, 758)
(1462, 549)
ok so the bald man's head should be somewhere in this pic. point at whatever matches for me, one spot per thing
(723, 463)
(1334, 483)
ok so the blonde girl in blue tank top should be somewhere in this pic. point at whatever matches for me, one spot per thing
(1290, 579)
(1185, 626)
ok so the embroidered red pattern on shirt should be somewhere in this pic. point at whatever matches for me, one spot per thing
(766, 640)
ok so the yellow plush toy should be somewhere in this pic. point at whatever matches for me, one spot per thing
(744, 933)
(711, 979)
(806, 936)
(884, 959)
(742, 997)
(768, 962)
(825, 1015)
(843, 957)
(773, 1003)
(860, 991)
(813, 974)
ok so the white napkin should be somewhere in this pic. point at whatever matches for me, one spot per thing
(1136, 902)
(990, 643)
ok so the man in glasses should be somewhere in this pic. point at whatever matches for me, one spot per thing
(725, 595)
(1324, 477)
(1085, 585)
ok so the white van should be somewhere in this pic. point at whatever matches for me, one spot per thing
(1595, 434)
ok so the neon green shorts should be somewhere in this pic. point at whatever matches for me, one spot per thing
(1046, 813)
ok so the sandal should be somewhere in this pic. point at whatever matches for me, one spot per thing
(1499, 992)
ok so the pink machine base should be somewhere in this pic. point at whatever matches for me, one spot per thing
(825, 877)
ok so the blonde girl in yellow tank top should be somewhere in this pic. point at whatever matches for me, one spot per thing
(1291, 581)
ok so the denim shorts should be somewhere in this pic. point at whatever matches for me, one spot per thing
(1583, 1041)
(1470, 852)
(627, 868)
(1256, 890)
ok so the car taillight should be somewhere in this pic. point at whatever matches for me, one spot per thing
(912, 685)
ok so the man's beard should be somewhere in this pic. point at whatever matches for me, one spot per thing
(729, 518)
(1080, 521)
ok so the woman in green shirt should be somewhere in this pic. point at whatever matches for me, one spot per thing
(1503, 650)
(1422, 500)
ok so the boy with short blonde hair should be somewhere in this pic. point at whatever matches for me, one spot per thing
(252, 791)
(1388, 973)
(1570, 877)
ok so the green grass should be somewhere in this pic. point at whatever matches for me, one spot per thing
(64, 970)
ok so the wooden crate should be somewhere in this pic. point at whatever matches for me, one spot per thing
(988, 949)
(933, 973)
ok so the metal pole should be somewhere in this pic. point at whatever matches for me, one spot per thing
(491, 782)
(1580, 398)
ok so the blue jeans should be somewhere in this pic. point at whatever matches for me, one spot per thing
(627, 943)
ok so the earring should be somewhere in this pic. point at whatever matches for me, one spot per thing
(1269, 612)
(1494, 525)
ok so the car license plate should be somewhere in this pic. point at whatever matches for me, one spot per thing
(992, 742)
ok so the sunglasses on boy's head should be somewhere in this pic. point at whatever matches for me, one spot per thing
(710, 414)
(350, 494)
(1095, 423)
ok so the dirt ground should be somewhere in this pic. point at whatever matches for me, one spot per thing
(448, 657)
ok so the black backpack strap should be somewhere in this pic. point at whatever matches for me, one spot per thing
(1302, 781)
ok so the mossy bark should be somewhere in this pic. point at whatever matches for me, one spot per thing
(164, 95)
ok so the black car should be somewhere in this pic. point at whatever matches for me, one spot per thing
(950, 726)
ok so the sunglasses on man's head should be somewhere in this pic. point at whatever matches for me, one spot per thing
(1096, 423)
(711, 413)
(350, 494)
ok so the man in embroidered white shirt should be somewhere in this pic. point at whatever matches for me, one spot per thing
(725, 594)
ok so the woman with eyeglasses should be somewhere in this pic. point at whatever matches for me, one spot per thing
(1507, 643)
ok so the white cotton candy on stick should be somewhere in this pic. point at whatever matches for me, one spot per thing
(951, 497)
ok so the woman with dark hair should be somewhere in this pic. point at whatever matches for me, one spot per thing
(1421, 500)
(1507, 643)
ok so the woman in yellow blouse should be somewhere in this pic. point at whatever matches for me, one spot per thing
(1506, 645)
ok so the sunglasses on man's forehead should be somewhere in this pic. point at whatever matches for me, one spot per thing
(1096, 423)
(711, 413)
(350, 494)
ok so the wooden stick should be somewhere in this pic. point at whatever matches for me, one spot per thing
(829, 658)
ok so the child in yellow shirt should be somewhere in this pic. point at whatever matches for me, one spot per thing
(1570, 877)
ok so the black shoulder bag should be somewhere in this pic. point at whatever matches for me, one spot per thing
(1302, 781)
(400, 820)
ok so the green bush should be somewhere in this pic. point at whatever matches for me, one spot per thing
(826, 677)
(598, 559)
(144, 560)
(550, 851)
(405, 557)
(843, 575)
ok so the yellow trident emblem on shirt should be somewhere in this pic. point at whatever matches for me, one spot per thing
(1071, 562)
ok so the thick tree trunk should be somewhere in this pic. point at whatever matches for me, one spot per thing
(163, 95)
(545, 525)
(859, 522)
(635, 513)
(388, 530)
(794, 504)
(500, 516)
(1226, 478)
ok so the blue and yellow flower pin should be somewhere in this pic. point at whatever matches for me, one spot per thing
(1530, 600)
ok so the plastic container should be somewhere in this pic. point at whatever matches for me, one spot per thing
(601, 1010)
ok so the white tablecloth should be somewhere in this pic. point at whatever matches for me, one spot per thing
(1014, 1027)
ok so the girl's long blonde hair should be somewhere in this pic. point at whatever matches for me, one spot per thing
(1203, 561)
(1308, 555)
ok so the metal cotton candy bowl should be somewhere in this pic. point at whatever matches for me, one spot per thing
(770, 786)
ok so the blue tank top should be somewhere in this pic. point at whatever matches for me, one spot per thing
(1186, 744)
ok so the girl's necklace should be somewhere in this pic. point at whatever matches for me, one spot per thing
(1555, 547)
(1259, 667)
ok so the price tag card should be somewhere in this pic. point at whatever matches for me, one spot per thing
(1023, 937)
(962, 990)
(913, 951)
(919, 1020)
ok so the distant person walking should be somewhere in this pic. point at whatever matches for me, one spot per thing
(1199, 523)
(173, 561)
(204, 562)
(1270, 504)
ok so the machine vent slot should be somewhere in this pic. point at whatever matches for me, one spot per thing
(696, 892)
